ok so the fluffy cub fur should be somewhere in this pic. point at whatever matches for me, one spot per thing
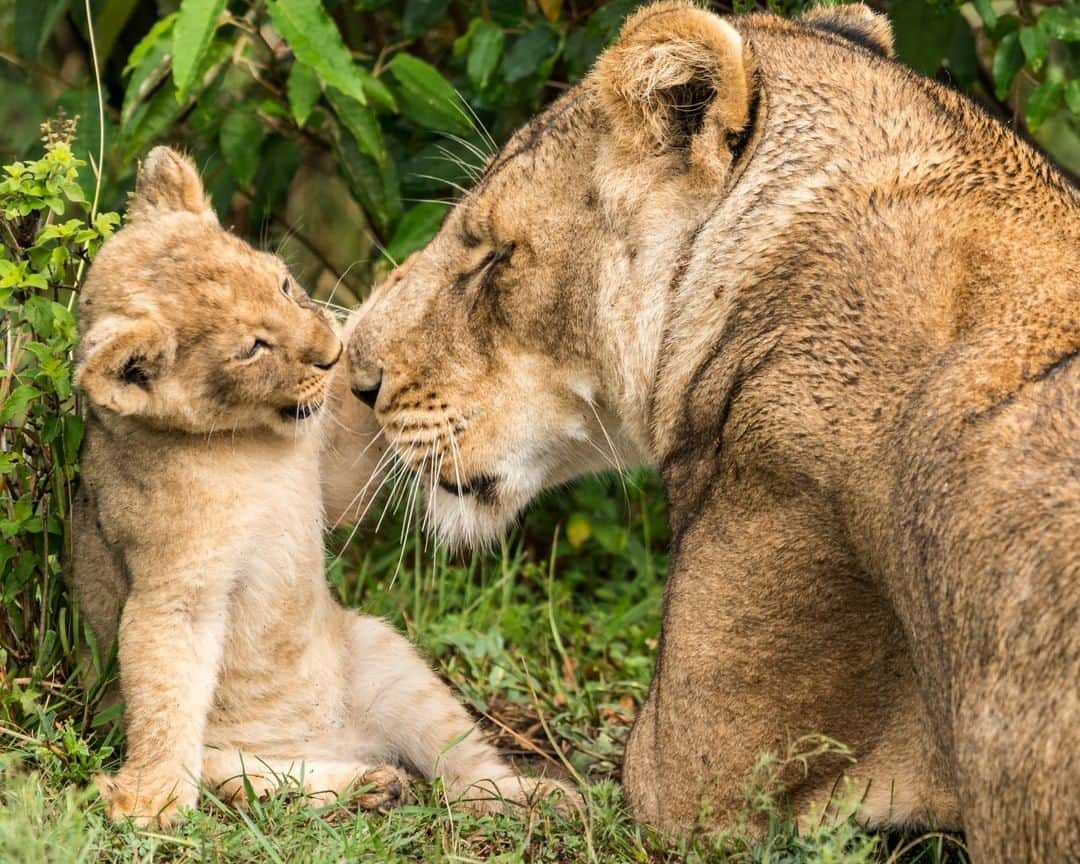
(839, 309)
(206, 368)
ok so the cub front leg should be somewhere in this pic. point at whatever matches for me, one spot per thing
(403, 703)
(171, 639)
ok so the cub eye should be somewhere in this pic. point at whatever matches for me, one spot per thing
(256, 346)
(285, 287)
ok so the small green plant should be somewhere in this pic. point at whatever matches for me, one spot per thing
(48, 234)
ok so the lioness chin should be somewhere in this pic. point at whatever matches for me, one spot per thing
(839, 309)
(198, 536)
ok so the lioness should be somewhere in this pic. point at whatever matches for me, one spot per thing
(206, 366)
(839, 308)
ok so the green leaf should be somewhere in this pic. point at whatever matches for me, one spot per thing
(530, 51)
(379, 93)
(923, 33)
(1035, 44)
(304, 91)
(1006, 24)
(1061, 22)
(426, 97)
(376, 187)
(275, 175)
(151, 68)
(18, 401)
(195, 25)
(109, 23)
(74, 427)
(38, 311)
(416, 229)
(986, 13)
(583, 44)
(1043, 101)
(1072, 96)
(361, 122)
(147, 42)
(422, 14)
(241, 137)
(316, 41)
(149, 121)
(1008, 60)
(485, 49)
(34, 23)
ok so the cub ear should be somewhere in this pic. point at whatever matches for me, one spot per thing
(856, 23)
(120, 362)
(679, 79)
(168, 182)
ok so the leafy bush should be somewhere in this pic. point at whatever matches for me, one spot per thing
(48, 233)
(348, 124)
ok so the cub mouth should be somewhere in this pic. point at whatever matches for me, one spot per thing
(483, 486)
(299, 411)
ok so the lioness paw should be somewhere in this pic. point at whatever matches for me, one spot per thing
(144, 801)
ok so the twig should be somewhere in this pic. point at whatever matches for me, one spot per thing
(521, 739)
(101, 113)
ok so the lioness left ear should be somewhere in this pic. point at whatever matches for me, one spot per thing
(120, 362)
(679, 79)
(856, 23)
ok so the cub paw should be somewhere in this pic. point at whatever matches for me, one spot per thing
(513, 794)
(234, 792)
(143, 800)
(383, 787)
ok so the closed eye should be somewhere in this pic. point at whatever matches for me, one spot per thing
(493, 262)
(255, 347)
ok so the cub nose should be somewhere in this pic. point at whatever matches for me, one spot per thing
(329, 364)
(365, 392)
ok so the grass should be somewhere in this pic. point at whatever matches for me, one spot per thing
(550, 640)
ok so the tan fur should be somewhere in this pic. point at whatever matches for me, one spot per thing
(849, 345)
(200, 518)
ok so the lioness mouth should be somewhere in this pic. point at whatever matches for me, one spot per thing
(300, 411)
(483, 486)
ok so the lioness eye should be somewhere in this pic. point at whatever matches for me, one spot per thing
(256, 346)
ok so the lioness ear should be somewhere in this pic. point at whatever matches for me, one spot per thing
(120, 362)
(168, 182)
(856, 23)
(679, 79)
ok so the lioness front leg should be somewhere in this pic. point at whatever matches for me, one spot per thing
(401, 701)
(171, 640)
(771, 636)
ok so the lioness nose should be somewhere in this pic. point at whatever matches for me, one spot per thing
(367, 394)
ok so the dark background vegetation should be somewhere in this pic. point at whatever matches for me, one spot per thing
(335, 124)
(338, 132)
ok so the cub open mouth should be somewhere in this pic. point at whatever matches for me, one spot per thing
(483, 486)
(300, 411)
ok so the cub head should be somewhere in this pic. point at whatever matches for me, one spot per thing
(520, 348)
(184, 326)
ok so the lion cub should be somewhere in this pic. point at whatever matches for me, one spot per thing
(200, 516)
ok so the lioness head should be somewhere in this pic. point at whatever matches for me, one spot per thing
(186, 326)
(520, 348)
